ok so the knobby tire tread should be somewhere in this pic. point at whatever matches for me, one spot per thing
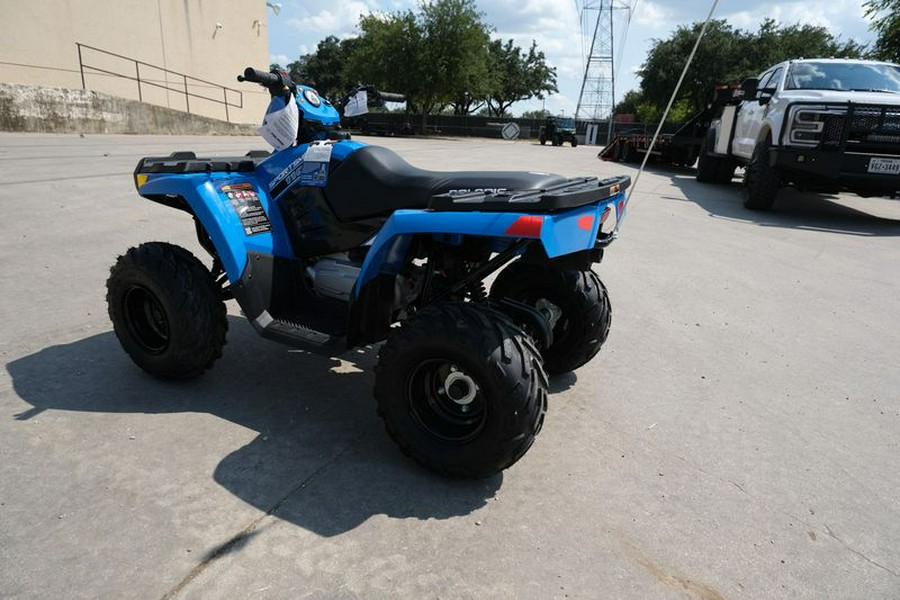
(509, 357)
(198, 316)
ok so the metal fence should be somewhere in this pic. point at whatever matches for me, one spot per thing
(397, 123)
(155, 76)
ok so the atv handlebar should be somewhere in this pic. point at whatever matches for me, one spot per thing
(261, 77)
(277, 82)
(391, 97)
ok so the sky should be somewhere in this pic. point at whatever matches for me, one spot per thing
(556, 26)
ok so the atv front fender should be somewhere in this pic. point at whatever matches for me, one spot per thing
(202, 195)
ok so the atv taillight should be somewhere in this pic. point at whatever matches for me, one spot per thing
(526, 226)
(608, 220)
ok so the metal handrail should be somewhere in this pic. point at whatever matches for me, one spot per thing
(184, 77)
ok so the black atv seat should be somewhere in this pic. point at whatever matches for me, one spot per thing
(187, 162)
(375, 181)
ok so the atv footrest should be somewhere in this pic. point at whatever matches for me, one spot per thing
(570, 194)
(187, 162)
(300, 335)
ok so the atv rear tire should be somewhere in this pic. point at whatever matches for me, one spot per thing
(761, 179)
(576, 302)
(542, 140)
(461, 390)
(574, 142)
(166, 310)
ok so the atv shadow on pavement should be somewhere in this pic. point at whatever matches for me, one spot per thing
(321, 459)
(793, 208)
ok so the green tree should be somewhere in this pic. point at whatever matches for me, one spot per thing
(772, 44)
(326, 68)
(387, 53)
(517, 76)
(536, 114)
(718, 60)
(728, 55)
(433, 57)
(628, 105)
(885, 15)
(456, 49)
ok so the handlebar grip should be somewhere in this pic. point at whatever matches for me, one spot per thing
(256, 76)
(391, 97)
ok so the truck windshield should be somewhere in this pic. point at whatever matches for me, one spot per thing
(845, 77)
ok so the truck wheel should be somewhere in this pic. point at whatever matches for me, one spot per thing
(761, 179)
(707, 166)
(725, 172)
(461, 390)
(575, 302)
(574, 142)
(166, 310)
(543, 139)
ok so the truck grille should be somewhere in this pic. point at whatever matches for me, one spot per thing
(867, 129)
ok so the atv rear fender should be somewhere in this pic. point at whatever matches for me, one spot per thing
(586, 227)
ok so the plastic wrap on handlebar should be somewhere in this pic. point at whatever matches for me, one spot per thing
(391, 97)
(256, 76)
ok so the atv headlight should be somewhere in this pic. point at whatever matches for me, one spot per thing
(808, 123)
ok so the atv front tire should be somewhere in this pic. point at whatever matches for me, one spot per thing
(461, 390)
(575, 303)
(166, 310)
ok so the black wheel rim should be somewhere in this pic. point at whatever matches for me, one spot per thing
(146, 320)
(457, 414)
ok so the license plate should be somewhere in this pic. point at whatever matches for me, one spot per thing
(886, 166)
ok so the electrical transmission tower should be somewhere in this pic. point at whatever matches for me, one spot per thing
(598, 87)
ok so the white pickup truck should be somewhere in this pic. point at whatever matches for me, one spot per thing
(820, 124)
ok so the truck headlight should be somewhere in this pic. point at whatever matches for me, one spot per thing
(808, 123)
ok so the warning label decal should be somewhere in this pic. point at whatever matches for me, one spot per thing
(245, 202)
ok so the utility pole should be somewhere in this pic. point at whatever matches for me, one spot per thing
(598, 87)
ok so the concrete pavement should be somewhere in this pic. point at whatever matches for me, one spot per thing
(737, 437)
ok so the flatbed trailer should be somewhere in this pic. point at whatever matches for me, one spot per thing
(679, 148)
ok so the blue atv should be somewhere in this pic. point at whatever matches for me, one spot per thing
(330, 244)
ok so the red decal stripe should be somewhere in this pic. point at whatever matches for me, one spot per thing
(526, 226)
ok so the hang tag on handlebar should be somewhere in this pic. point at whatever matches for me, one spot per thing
(279, 126)
(315, 164)
(357, 104)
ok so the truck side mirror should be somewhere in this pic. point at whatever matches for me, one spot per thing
(749, 87)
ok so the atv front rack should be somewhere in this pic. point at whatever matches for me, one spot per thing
(571, 194)
(187, 162)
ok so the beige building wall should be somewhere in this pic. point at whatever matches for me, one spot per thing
(210, 40)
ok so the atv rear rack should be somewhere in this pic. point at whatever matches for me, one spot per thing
(571, 194)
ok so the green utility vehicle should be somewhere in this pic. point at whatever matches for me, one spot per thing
(558, 130)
